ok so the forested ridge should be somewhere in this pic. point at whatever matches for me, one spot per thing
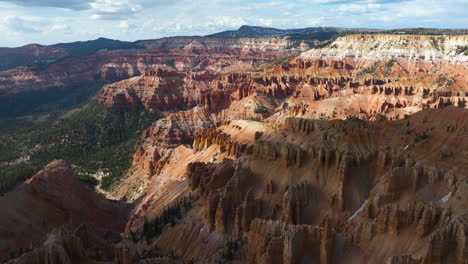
(94, 137)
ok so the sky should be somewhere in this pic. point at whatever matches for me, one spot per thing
(54, 21)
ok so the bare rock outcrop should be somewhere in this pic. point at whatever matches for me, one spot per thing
(336, 167)
(230, 207)
(210, 136)
(285, 243)
(56, 195)
(288, 154)
(60, 247)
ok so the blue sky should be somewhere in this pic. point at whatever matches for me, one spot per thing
(52, 21)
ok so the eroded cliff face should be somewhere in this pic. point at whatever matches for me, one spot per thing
(182, 53)
(391, 75)
(57, 219)
(163, 89)
(274, 166)
(315, 190)
(246, 44)
(381, 46)
(367, 76)
(274, 176)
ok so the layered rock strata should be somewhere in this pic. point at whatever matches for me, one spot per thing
(323, 191)
(358, 75)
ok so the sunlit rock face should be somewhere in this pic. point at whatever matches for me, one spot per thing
(350, 153)
(292, 189)
(343, 154)
(181, 53)
(368, 76)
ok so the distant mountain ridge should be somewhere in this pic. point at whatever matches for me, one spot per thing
(257, 31)
(83, 48)
(315, 32)
(46, 54)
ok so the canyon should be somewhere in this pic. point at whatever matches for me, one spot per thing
(338, 79)
(267, 150)
(181, 52)
(69, 77)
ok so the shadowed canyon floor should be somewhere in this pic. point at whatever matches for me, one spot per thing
(355, 152)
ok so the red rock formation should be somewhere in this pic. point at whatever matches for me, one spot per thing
(288, 188)
(229, 207)
(224, 55)
(324, 191)
(279, 242)
(288, 154)
(13, 57)
(50, 199)
(302, 181)
(345, 93)
(210, 136)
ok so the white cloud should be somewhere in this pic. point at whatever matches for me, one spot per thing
(353, 9)
(327, 1)
(114, 9)
(414, 9)
(356, 1)
(20, 24)
(124, 25)
(59, 27)
(146, 19)
(358, 9)
(227, 21)
(66, 4)
(265, 22)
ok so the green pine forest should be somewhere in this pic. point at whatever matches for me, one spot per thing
(92, 136)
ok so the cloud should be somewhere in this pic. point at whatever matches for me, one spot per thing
(226, 21)
(102, 9)
(68, 4)
(19, 24)
(114, 9)
(126, 26)
(124, 9)
(354, 9)
(414, 10)
(265, 22)
(356, 1)
(58, 28)
(69, 20)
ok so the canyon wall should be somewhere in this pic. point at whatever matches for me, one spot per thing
(316, 190)
(181, 53)
(279, 169)
(336, 81)
(335, 156)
